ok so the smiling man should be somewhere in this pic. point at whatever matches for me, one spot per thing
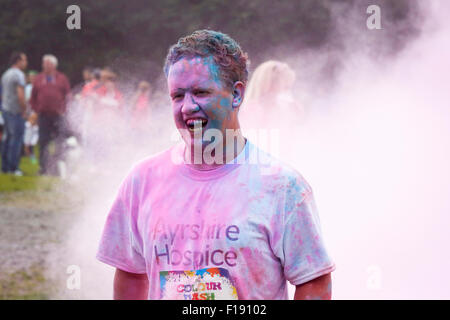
(208, 218)
(205, 109)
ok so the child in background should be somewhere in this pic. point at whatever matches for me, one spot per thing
(29, 86)
(31, 136)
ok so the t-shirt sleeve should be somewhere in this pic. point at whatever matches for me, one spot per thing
(120, 244)
(18, 78)
(304, 256)
(21, 79)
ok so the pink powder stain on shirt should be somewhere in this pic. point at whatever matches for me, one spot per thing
(274, 228)
(299, 238)
(253, 261)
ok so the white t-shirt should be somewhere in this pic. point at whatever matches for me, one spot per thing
(235, 232)
(31, 134)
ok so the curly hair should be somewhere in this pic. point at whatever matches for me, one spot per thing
(227, 54)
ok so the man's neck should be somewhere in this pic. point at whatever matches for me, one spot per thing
(229, 153)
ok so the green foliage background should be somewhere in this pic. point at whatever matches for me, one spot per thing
(135, 34)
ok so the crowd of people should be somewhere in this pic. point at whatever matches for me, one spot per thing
(35, 108)
(41, 108)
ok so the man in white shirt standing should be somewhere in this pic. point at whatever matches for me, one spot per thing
(14, 112)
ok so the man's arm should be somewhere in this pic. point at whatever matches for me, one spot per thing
(316, 289)
(130, 286)
(21, 98)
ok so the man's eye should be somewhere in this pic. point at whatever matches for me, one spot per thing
(177, 97)
(201, 93)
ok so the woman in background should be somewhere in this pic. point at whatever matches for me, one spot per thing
(271, 112)
(269, 101)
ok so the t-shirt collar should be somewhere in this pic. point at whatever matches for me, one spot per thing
(218, 172)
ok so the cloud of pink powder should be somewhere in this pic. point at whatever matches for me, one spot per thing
(377, 160)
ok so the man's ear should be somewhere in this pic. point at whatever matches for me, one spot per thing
(238, 94)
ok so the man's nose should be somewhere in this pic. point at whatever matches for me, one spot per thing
(189, 105)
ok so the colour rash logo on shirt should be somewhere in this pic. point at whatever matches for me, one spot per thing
(166, 254)
(204, 284)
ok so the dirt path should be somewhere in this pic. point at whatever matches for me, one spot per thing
(31, 225)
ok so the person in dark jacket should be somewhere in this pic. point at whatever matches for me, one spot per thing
(48, 99)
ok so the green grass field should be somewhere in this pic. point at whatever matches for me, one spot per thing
(29, 181)
(25, 285)
(29, 190)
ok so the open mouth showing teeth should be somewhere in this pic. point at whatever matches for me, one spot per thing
(195, 124)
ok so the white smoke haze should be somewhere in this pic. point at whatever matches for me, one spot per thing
(110, 149)
(375, 150)
(374, 146)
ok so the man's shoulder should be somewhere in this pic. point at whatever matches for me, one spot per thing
(13, 76)
(12, 72)
(278, 172)
(6, 73)
(18, 72)
(61, 75)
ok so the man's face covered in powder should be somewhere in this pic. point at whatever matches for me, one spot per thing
(200, 100)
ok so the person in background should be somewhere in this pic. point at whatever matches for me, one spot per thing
(29, 86)
(81, 104)
(140, 104)
(87, 74)
(271, 111)
(89, 88)
(96, 72)
(87, 78)
(108, 95)
(269, 101)
(48, 99)
(104, 100)
(85, 105)
(103, 106)
(31, 136)
(2, 122)
(14, 112)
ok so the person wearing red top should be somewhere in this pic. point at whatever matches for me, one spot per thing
(102, 102)
(48, 100)
(140, 113)
(87, 88)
